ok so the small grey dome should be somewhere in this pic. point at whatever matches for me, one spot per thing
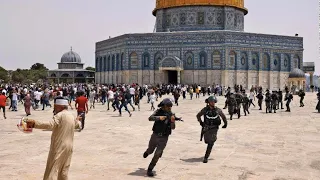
(297, 73)
(70, 57)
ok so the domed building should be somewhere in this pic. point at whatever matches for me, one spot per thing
(70, 70)
(199, 42)
(297, 80)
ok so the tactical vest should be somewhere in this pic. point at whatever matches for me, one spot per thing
(163, 127)
(212, 118)
(238, 98)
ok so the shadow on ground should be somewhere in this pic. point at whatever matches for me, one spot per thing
(140, 172)
(192, 160)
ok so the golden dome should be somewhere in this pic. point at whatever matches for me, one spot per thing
(162, 4)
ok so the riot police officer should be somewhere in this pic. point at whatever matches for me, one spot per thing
(288, 98)
(239, 100)
(164, 122)
(231, 103)
(245, 103)
(280, 99)
(274, 101)
(268, 101)
(301, 94)
(210, 125)
(260, 99)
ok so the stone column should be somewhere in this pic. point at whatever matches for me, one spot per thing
(311, 78)
(178, 76)
(73, 77)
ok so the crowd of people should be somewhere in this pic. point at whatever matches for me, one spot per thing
(85, 96)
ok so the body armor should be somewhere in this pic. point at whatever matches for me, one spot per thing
(212, 117)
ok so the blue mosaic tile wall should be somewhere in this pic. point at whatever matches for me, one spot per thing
(199, 50)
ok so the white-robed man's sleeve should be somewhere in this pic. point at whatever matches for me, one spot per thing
(48, 125)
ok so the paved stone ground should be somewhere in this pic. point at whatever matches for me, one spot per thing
(280, 146)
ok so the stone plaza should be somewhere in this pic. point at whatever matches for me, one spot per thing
(281, 146)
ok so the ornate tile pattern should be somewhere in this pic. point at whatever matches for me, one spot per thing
(226, 57)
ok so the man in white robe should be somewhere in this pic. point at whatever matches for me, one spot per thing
(61, 148)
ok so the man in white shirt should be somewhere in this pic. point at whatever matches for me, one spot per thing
(37, 96)
(132, 92)
(110, 98)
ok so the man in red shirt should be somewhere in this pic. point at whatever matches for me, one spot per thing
(82, 107)
(3, 99)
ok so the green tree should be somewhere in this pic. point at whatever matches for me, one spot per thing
(3, 74)
(91, 68)
(38, 66)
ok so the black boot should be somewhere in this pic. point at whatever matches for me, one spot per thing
(150, 173)
(145, 154)
(208, 152)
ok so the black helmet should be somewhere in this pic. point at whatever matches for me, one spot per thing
(211, 99)
(165, 102)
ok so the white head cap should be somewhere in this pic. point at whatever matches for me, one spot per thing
(62, 102)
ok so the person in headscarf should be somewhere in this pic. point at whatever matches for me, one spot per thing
(61, 148)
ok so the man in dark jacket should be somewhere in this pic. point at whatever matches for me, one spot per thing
(164, 122)
(301, 94)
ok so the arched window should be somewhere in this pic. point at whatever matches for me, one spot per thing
(100, 64)
(157, 59)
(121, 61)
(276, 62)
(255, 59)
(203, 59)
(117, 62)
(113, 63)
(265, 61)
(216, 58)
(189, 60)
(286, 62)
(296, 61)
(65, 75)
(146, 60)
(104, 64)
(243, 59)
(108, 63)
(133, 60)
(232, 58)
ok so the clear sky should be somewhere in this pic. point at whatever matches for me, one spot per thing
(42, 30)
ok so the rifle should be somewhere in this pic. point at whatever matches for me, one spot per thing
(169, 115)
(202, 133)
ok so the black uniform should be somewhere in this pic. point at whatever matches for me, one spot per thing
(268, 102)
(274, 101)
(210, 126)
(245, 104)
(260, 99)
(288, 98)
(159, 138)
(301, 94)
(231, 103)
(280, 99)
(239, 100)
